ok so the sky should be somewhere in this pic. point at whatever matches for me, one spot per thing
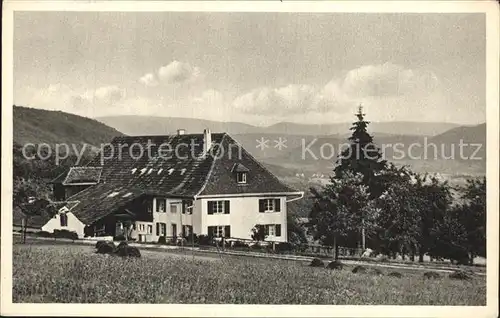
(256, 68)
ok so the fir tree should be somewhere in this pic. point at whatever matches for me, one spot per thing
(362, 156)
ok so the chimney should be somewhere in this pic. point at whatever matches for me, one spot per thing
(207, 140)
(181, 131)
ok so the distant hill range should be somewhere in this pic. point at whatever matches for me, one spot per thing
(151, 125)
(43, 126)
(330, 136)
(31, 125)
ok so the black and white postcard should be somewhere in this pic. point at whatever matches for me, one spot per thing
(223, 158)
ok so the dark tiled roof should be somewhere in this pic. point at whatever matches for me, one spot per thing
(238, 167)
(85, 175)
(100, 200)
(259, 180)
(182, 173)
(60, 178)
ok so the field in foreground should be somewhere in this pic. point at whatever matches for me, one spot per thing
(70, 273)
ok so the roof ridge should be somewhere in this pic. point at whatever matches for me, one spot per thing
(166, 135)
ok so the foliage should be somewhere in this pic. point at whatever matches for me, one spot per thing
(341, 210)
(296, 233)
(258, 233)
(162, 240)
(65, 234)
(204, 240)
(362, 156)
(396, 210)
(37, 126)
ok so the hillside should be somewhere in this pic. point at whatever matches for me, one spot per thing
(151, 125)
(36, 126)
(400, 149)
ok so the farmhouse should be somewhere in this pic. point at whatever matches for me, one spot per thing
(145, 187)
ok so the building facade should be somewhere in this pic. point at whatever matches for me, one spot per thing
(216, 189)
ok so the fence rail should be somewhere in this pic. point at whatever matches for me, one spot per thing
(266, 246)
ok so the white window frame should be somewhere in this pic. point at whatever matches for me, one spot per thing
(241, 177)
(176, 205)
(150, 229)
(269, 205)
(219, 231)
(271, 228)
(163, 229)
(158, 209)
(218, 207)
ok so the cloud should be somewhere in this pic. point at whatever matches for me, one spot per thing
(210, 97)
(385, 80)
(109, 94)
(149, 80)
(291, 99)
(178, 72)
(342, 93)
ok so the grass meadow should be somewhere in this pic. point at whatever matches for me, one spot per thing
(75, 274)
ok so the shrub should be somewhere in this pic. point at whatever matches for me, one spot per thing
(256, 246)
(204, 240)
(192, 238)
(128, 251)
(120, 237)
(123, 243)
(395, 274)
(162, 240)
(106, 247)
(316, 262)
(431, 275)
(100, 243)
(44, 234)
(359, 269)
(65, 234)
(462, 275)
(284, 247)
(335, 265)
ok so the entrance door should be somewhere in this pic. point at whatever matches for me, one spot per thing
(174, 231)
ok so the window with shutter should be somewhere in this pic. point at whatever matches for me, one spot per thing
(211, 231)
(278, 229)
(157, 229)
(262, 207)
(218, 207)
(269, 205)
(227, 231)
(277, 205)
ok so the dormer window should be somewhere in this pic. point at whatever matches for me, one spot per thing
(241, 177)
(241, 173)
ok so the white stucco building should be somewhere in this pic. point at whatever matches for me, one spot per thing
(207, 185)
